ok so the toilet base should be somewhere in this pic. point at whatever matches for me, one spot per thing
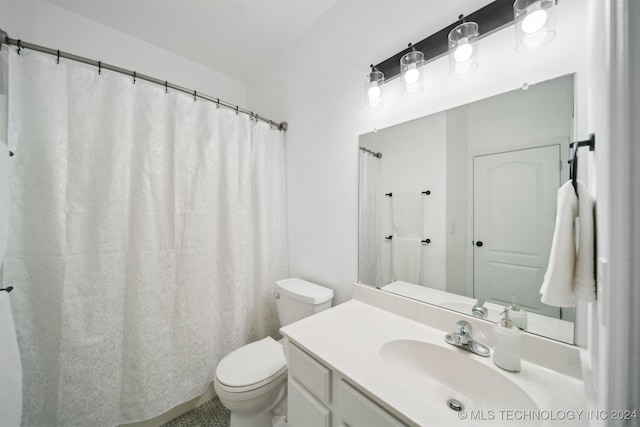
(263, 409)
(272, 416)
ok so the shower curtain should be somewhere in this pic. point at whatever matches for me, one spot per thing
(369, 233)
(147, 230)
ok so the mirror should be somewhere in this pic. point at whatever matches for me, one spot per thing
(459, 206)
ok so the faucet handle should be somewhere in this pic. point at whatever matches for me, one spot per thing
(464, 328)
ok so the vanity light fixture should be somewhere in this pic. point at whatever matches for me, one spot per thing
(535, 23)
(463, 49)
(373, 88)
(410, 72)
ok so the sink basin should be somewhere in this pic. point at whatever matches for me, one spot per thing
(440, 373)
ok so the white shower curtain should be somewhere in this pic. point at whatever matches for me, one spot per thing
(369, 237)
(147, 231)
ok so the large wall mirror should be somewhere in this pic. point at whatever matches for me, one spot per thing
(459, 206)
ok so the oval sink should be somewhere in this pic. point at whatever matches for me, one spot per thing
(441, 373)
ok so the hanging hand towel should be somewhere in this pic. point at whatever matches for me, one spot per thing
(11, 367)
(406, 260)
(569, 274)
(407, 215)
(584, 283)
(557, 288)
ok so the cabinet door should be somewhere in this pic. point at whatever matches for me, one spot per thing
(305, 410)
(357, 410)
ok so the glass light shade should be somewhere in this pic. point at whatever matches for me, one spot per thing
(373, 89)
(410, 73)
(535, 23)
(463, 49)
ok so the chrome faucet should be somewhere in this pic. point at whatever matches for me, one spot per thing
(479, 310)
(463, 338)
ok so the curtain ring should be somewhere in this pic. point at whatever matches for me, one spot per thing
(99, 67)
(58, 57)
(134, 77)
(194, 96)
(237, 110)
(19, 46)
(166, 86)
(217, 103)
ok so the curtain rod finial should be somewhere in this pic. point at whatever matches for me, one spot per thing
(283, 126)
(4, 37)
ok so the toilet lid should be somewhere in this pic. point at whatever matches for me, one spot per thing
(251, 363)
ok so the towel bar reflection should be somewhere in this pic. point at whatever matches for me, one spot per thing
(7, 289)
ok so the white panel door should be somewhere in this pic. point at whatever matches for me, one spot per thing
(514, 205)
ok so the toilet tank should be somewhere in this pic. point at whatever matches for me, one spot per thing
(297, 299)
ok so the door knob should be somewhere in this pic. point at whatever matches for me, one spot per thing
(479, 243)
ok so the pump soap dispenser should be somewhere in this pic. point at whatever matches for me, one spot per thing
(507, 340)
(517, 315)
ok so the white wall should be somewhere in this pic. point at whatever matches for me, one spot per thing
(317, 86)
(48, 25)
(614, 61)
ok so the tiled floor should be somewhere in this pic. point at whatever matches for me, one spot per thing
(211, 414)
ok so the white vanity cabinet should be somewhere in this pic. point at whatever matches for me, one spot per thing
(309, 391)
(319, 397)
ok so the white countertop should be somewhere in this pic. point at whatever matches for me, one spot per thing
(348, 339)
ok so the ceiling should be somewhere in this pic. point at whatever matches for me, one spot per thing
(230, 36)
(236, 36)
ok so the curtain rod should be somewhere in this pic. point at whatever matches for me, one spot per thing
(5, 39)
(373, 153)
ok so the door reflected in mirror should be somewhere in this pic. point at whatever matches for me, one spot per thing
(459, 206)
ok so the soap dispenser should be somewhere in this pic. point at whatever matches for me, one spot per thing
(517, 315)
(507, 341)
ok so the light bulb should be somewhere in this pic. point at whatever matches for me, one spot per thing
(464, 51)
(412, 75)
(374, 91)
(535, 19)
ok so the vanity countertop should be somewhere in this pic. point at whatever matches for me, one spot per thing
(348, 339)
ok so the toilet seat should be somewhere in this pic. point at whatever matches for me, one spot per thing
(251, 366)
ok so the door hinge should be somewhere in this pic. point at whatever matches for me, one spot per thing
(560, 164)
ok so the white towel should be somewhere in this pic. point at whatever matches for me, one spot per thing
(406, 260)
(10, 367)
(407, 215)
(584, 282)
(569, 273)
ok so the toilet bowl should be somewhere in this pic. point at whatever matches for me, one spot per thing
(251, 381)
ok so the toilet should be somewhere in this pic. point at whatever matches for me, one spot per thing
(251, 381)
